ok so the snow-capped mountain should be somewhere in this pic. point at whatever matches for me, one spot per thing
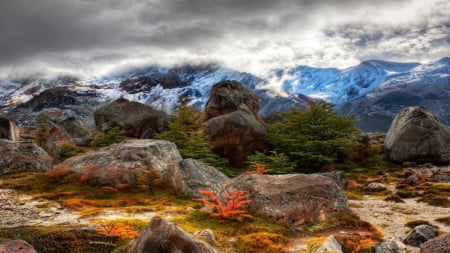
(337, 86)
(374, 91)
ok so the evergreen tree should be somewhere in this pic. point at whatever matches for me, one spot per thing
(315, 138)
(186, 131)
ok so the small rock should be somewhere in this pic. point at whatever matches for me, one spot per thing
(413, 180)
(206, 235)
(375, 187)
(394, 198)
(16, 246)
(440, 244)
(419, 235)
(351, 185)
(390, 245)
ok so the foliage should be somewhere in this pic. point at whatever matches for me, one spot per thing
(233, 209)
(59, 175)
(277, 163)
(113, 229)
(315, 138)
(357, 244)
(116, 177)
(186, 131)
(68, 150)
(106, 138)
(258, 168)
(261, 243)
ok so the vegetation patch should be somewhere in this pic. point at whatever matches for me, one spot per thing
(444, 220)
(261, 242)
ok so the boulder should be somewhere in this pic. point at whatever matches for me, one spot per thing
(291, 198)
(230, 96)
(9, 130)
(53, 144)
(390, 245)
(236, 135)
(22, 156)
(416, 134)
(160, 236)
(156, 155)
(419, 235)
(81, 133)
(17, 246)
(440, 244)
(161, 157)
(193, 175)
(375, 187)
(136, 119)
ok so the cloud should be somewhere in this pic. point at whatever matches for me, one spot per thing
(92, 37)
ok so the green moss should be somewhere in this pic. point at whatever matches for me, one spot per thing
(261, 242)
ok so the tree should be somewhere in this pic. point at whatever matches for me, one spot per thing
(113, 135)
(186, 131)
(315, 138)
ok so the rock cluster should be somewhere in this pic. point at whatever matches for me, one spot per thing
(232, 122)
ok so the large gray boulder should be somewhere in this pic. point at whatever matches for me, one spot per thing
(440, 244)
(291, 198)
(9, 130)
(17, 246)
(23, 156)
(136, 119)
(158, 156)
(416, 134)
(160, 236)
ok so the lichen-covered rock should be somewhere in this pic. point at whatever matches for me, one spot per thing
(375, 187)
(193, 175)
(17, 246)
(291, 198)
(136, 119)
(156, 155)
(416, 134)
(440, 244)
(390, 245)
(160, 236)
(23, 156)
(419, 235)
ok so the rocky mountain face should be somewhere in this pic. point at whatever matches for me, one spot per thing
(374, 91)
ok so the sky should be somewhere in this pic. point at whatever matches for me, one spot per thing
(97, 37)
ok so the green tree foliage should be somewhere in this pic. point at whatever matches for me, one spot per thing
(275, 162)
(315, 138)
(106, 138)
(186, 131)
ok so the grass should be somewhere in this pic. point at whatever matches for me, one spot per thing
(444, 220)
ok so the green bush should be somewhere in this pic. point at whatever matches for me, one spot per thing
(275, 162)
(106, 138)
(316, 138)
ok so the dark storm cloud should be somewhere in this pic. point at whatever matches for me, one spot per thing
(90, 34)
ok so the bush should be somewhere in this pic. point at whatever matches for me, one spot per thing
(68, 150)
(274, 162)
(113, 135)
(316, 138)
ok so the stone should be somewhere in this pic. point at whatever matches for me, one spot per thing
(236, 135)
(80, 132)
(375, 187)
(193, 175)
(9, 130)
(412, 180)
(230, 96)
(290, 198)
(206, 235)
(17, 246)
(417, 135)
(440, 244)
(390, 245)
(23, 156)
(419, 235)
(232, 122)
(160, 236)
(136, 119)
(155, 155)
(158, 156)
(329, 245)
